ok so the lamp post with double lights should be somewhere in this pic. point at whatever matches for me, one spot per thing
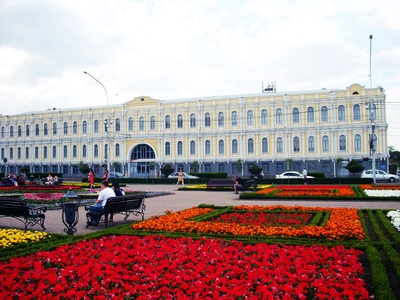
(107, 123)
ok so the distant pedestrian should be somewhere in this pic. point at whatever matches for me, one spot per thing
(180, 178)
(304, 176)
(91, 180)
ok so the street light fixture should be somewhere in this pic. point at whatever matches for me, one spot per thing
(107, 124)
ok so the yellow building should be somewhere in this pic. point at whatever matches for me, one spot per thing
(276, 131)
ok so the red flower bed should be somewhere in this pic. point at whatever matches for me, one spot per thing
(308, 191)
(155, 267)
(264, 219)
(35, 187)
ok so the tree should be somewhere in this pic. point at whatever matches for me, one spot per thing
(354, 167)
(116, 165)
(195, 166)
(255, 170)
(83, 168)
(239, 165)
(167, 170)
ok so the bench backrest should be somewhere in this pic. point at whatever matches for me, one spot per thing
(123, 203)
(13, 207)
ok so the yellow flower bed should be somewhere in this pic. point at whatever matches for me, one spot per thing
(344, 223)
(9, 237)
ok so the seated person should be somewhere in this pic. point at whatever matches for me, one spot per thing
(22, 178)
(97, 208)
(49, 179)
(13, 179)
(238, 185)
(118, 192)
(55, 180)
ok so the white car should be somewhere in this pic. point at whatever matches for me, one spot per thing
(290, 175)
(185, 175)
(116, 175)
(380, 175)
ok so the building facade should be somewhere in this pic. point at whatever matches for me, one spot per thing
(276, 131)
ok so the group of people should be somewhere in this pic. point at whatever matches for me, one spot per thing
(106, 192)
(51, 180)
(12, 179)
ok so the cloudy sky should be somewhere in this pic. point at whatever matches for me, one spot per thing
(176, 49)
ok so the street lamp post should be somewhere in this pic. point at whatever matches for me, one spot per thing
(106, 123)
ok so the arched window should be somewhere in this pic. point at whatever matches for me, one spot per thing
(54, 128)
(65, 128)
(54, 152)
(296, 144)
(117, 150)
(324, 114)
(45, 129)
(192, 121)
(141, 124)
(117, 124)
(207, 147)
(311, 144)
(356, 112)
(11, 153)
(152, 123)
(36, 152)
(264, 145)
(234, 147)
(192, 147)
(11, 131)
(84, 127)
(341, 113)
(279, 145)
(19, 152)
(19, 130)
(295, 115)
(130, 124)
(250, 117)
(74, 151)
(180, 121)
(325, 143)
(342, 142)
(96, 151)
(220, 119)
(65, 152)
(84, 151)
(264, 117)
(75, 127)
(96, 126)
(250, 146)
(234, 118)
(207, 120)
(37, 129)
(167, 122)
(45, 152)
(27, 152)
(27, 130)
(167, 148)
(310, 114)
(279, 116)
(221, 147)
(357, 142)
(180, 148)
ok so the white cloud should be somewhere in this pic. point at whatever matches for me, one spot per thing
(182, 49)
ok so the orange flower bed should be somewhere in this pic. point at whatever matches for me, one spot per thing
(344, 223)
(379, 187)
(308, 190)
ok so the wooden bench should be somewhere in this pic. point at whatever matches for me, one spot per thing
(126, 205)
(20, 210)
(224, 183)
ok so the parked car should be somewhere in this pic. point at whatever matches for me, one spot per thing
(380, 175)
(185, 175)
(290, 175)
(116, 175)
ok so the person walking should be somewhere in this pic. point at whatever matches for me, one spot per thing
(180, 178)
(91, 180)
(304, 176)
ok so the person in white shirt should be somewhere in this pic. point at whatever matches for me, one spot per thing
(304, 176)
(96, 209)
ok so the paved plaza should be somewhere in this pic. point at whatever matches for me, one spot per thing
(182, 199)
